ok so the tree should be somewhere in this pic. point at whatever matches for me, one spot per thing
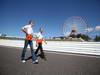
(97, 38)
(73, 36)
(3, 35)
(83, 36)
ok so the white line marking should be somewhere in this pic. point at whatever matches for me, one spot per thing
(75, 54)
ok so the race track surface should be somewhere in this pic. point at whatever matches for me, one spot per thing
(56, 64)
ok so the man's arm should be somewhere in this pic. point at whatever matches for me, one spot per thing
(24, 30)
(44, 41)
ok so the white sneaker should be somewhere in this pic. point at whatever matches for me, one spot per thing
(23, 61)
(35, 62)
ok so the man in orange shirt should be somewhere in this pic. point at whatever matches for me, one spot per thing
(39, 40)
(28, 40)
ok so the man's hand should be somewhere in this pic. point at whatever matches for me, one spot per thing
(45, 42)
(36, 45)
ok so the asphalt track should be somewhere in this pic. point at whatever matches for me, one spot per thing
(56, 64)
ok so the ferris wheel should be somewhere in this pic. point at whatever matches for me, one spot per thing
(74, 25)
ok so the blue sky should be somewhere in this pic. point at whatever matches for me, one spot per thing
(52, 13)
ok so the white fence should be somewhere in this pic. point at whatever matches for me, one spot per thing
(61, 46)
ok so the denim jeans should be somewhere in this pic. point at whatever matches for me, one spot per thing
(25, 48)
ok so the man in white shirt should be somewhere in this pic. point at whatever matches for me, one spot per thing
(28, 40)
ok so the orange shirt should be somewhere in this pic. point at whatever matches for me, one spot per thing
(39, 40)
(28, 37)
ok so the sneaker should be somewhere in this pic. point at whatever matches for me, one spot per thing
(35, 62)
(23, 61)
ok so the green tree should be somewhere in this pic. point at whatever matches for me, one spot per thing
(97, 38)
(83, 36)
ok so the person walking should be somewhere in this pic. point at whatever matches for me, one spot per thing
(39, 40)
(27, 29)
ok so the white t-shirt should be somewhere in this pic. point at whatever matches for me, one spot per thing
(39, 35)
(29, 29)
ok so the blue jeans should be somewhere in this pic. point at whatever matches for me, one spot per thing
(25, 48)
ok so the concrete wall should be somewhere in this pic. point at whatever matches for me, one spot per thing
(61, 46)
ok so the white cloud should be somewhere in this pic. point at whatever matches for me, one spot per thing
(97, 28)
(89, 29)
